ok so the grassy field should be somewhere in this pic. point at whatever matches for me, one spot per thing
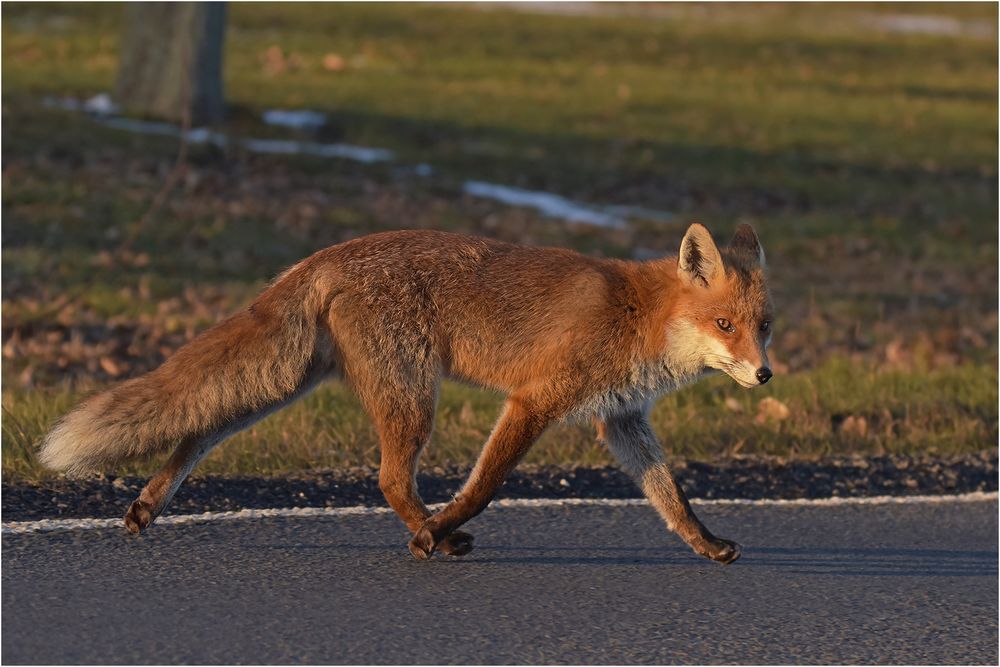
(865, 157)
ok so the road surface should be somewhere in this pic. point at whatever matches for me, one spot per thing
(912, 583)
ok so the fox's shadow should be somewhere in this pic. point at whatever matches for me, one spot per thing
(874, 562)
(848, 561)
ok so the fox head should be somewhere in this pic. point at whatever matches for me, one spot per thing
(722, 316)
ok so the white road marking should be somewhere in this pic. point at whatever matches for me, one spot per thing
(49, 525)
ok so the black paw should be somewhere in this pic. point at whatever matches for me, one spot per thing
(457, 543)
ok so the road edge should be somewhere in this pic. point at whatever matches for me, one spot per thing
(54, 525)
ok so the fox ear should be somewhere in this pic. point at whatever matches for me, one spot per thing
(745, 239)
(699, 262)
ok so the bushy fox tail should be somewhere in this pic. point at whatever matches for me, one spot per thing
(225, 379)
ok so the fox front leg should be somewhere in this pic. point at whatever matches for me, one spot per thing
(634, 444)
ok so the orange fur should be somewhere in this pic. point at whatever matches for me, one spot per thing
(562, 334)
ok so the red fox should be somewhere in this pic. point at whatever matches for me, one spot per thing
(563, 335)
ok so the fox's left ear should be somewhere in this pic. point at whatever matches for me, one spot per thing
(745, 239)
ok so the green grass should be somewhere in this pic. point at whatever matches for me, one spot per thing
(866, 160)
(712, 419)
(803, 104)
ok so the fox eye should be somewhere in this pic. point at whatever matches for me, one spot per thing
(765, 326)
(725, 325)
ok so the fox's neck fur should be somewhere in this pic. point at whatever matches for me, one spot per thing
(658, 352)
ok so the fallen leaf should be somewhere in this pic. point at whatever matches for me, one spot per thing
(855, 425)
(110, 366)
(771, 409)
(333, 62)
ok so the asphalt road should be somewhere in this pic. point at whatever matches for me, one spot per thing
(871, 584)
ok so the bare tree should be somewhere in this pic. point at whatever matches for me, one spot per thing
(171, 64)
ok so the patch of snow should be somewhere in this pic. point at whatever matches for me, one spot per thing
(930, 25)
(197, 135)
(301, 119)
(552, 8)
(203, 135)
(904, 23)
(142, 126)
(100, 104)
(273, 146)
(346, 151)
(559, 8)
(349, 152)
(546, 203)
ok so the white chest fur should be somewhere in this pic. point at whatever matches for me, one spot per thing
(644, 383)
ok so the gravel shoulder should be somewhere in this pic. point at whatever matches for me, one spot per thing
(752, 478)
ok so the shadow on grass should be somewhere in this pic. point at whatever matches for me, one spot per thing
(675, 175)
(679, 176)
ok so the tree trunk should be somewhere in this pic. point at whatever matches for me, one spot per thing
(171, 65)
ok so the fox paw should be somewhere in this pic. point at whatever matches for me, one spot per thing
(422, 545)
(139, 516)
(720, 550)
(457, 543)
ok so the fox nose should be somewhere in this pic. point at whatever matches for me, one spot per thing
(763, 375)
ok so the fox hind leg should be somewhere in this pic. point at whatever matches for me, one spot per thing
(164, 484)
